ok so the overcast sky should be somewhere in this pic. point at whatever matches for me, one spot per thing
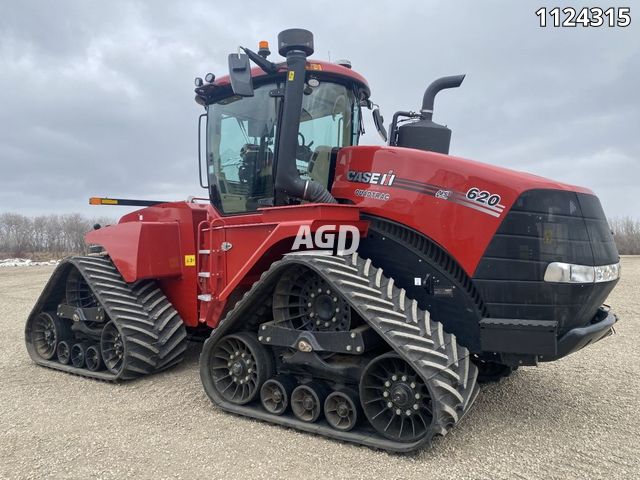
(96, 98)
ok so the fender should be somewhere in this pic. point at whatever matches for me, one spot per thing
(163, 242)
(141, 250)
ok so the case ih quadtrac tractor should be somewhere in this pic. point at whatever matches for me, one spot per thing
(463, 271)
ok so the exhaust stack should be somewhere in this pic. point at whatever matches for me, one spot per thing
(424, 133)
(295, 45)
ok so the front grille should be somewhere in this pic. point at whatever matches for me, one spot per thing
(545, 226)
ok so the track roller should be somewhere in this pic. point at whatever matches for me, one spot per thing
(63, 351)
(78, 354)
(307, 401)
(239, 366)
(275, 394)
(341, 410)
(93, 358)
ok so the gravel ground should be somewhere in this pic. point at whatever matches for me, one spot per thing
(575, 418)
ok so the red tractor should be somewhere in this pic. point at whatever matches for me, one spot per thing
(463, 271)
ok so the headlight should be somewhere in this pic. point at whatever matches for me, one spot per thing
(559, 272)
(606, 273)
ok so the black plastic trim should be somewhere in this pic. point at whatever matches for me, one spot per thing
(578, 338)
(539, 337)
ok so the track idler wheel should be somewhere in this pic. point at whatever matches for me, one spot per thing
(307, 401)
(341, 410)
(113, 348)
(78, 354)
(275, 394)
(239, 365)
(63, 351)
(44, 333)
(395, 399)
(93, 358)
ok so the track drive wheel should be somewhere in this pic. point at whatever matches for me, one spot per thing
(304, 301)
(395, 399)
(239, 365)
(78, 292)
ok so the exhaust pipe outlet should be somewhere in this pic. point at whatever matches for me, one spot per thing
(453, 81)
(295, 45)
(424, 133)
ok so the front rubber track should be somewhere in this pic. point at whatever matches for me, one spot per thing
(434, 354)
(154, 334)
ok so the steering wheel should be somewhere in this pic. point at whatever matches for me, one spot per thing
(303, 151)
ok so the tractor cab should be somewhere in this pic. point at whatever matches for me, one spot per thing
(293, 117)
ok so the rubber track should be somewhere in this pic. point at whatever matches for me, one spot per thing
(154, 334)
(443, 364)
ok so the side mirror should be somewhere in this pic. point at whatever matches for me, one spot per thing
(379, 123)
(240, 74)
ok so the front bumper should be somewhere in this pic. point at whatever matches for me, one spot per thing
(601, 326)
(530, 341)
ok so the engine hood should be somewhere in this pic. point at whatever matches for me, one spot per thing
(456, 202)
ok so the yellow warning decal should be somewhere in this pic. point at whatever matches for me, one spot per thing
(292, 75)
(189, 260)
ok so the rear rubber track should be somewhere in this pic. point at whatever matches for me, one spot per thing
(154, 335)
(434, 354)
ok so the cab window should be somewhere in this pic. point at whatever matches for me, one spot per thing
(326, 122)
(240, 147)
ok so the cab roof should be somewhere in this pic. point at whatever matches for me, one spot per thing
(325, 70)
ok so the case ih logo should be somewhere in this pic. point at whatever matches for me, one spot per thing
(375, 178)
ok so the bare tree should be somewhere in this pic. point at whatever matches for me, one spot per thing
(17, 233)
(626, 232)
(54, 235)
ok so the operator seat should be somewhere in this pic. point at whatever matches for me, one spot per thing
(320, 164)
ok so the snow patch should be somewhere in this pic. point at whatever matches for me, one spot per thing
(25, 262)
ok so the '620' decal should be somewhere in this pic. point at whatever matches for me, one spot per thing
(483, 197)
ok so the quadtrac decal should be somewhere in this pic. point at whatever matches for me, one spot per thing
(373, 194)
(475, 198)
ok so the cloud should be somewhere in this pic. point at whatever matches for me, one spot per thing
(97, 98)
